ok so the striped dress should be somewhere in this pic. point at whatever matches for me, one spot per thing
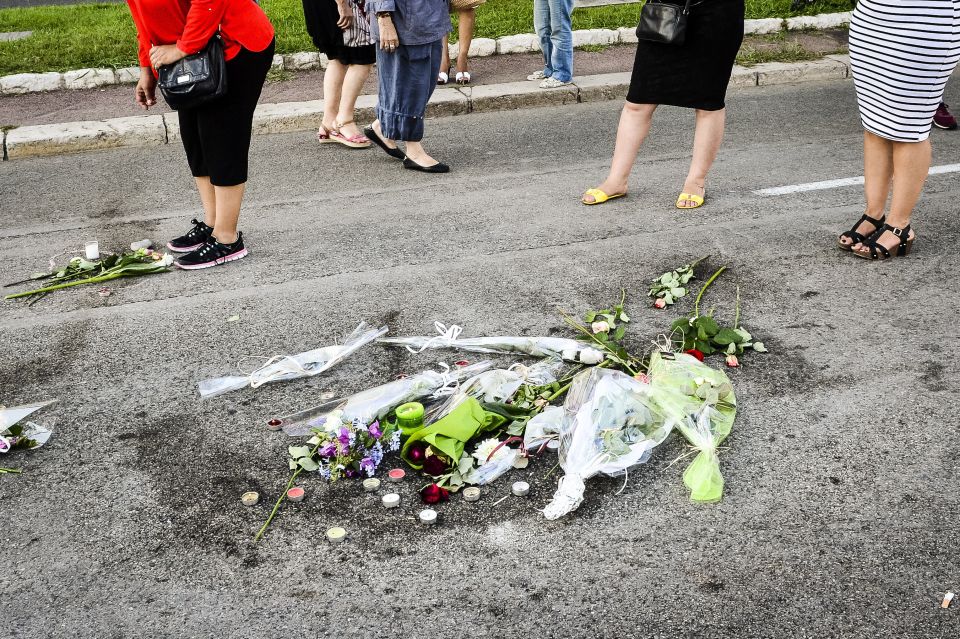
(902, 53)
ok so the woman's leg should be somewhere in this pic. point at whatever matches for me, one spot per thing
(208, 198)
(229, 199)
(332, 90)
(706, 145)
(353, 82)
(634, 126)
(877, 178)
(407, 80)
(468, 20)
(445, 60)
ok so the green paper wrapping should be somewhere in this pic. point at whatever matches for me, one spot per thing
(706, 398)
(450, 435)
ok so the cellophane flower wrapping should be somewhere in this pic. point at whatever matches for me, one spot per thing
(377, 402)
(567, 349)
(706, 396)
(611, 422)
(287, 367)
(16, 433)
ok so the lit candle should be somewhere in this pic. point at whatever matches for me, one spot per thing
(471, 494)
(520, 488)
(92, 250)
(250, 499)
(397, 474)
(428, 517)
(391, 500)
(296, 494)
(336, 534)
(274, 424)
(371, 485)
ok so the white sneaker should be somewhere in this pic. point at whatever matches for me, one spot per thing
(537, 75)
(552, 83)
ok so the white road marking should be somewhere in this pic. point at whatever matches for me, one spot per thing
(836, 184)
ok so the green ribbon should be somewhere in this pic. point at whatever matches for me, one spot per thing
(449, 436)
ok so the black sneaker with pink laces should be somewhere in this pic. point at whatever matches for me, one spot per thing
(213, 253)
(194, 239)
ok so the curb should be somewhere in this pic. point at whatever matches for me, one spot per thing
(479, 48)
(289, 117)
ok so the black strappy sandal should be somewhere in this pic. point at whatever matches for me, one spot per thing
(879, 251)
(859, 238)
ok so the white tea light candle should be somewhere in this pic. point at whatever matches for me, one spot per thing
(471, 494)
(336, 534)
(92, 250)
(371, 485)
(391, 500)
(520, 488)
(428, 517)
(250, 499)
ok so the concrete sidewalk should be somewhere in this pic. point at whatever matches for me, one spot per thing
(279, 117)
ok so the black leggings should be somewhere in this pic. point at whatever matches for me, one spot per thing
(216, 136)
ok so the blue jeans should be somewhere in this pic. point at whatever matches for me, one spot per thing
(551, 18)
(408, 77)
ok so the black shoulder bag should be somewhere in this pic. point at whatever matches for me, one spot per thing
(663, 22)
(195, 79)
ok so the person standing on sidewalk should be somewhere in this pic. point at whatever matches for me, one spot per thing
(215, 135)
(552, 20)
(341, 31)
(466, 11)
(410, 34)
(693, 75)
(901, 56)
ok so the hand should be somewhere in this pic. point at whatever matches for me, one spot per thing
(389, 41)
(146, 92)
(165, 54)
(346, 15)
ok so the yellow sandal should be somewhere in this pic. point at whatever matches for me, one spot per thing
(599, 197)
(691, 197)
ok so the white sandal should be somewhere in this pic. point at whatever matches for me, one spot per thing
(463, 77)
(442, 78)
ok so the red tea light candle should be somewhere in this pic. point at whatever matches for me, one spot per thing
(274, 424)
(296, 494)
(461, 363)
(396, 475)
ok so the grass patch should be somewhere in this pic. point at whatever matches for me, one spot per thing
(789, 52)
(103, 35)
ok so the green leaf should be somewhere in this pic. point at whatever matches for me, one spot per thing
(619, 333)
(727, 336)
(709, 324)
(590, 317)
(731, 349)
(296, 452)
(665, 278)
(308, 464)
(759, 347)
(678, 292)
(668, 298)
(682, 324)
(624, 317)
(744, 334)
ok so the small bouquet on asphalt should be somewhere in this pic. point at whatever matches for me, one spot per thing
(282, 368)
(345, 448)
(449, 337)
(16, 434)
(376, 403)
(109, 267)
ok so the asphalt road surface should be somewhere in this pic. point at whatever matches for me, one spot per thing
(841, 506)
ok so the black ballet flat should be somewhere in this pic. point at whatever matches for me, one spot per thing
(376, 139)
(439, 167)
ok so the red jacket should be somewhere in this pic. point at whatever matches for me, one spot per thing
(191, 23)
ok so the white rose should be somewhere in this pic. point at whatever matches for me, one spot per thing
(591, 356)
(167, 260)
(600, 327)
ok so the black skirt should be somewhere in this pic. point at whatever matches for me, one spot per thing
(354, 46)
(695, 74)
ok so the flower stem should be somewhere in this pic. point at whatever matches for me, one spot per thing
(736, 317)
(14, 471)
(696, 303)
(55, 287)
(276, 506)
(586, 331)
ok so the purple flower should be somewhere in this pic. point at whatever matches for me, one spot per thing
(375, 431)
(351, 473)
(5, 444)
(367, 465)
(328, 450)
(344, 436)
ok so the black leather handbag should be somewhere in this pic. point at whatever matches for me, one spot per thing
(195, 79)
(663, 22)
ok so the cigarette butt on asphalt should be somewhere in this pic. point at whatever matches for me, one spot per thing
(947, 598)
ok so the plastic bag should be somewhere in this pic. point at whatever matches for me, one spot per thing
(570, 350)
(706, 395)
(17, 434)
(375, 403)
(494, 468)
(543, 428)
(610, 423)
(287, 367)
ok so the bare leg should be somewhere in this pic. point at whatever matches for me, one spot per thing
(911, 163)
(332, 87)
(468, 19)
(877, 176)
(352, 86)
(208, 198)
(706, 145)
(634, 126)
(229, 199)
(445, 55)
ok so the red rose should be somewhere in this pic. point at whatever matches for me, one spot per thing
(434, 494)
(434, 465)
(417, 452)
(732, 361)
(660, 303)
(695, 353)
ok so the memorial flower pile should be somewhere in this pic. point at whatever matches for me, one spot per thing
(341, 448)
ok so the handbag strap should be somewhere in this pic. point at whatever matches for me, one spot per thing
(686, 8)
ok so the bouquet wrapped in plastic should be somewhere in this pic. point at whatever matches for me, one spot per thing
(286, 367)
(375, 403)
(570, 350)
(706, 396)
(15, 434)
(610, 423)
